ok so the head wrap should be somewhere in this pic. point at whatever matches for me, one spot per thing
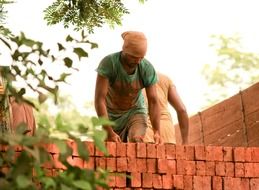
(135, 43)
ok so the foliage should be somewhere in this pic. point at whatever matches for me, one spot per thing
(21, 167)
(235, 69)
(85, 14)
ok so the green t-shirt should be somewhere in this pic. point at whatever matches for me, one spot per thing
(125, 97)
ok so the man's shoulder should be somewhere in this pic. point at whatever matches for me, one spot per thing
(111, 58)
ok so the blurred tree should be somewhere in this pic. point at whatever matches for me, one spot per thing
(235, 69)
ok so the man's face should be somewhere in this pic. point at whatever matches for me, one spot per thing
(132, 61)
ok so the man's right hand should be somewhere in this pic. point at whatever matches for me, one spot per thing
(113, 137)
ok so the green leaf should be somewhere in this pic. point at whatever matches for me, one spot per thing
(101, 121)
(60, 47)
(42, 98)
(82, 184)
(68, 62)
(6, 43)
(80, 52)
(48, 183)
(99, 138)
(69, 38)
(82, 150)
(62, 146)
(23, 182)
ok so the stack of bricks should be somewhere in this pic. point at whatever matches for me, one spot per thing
(169, 166)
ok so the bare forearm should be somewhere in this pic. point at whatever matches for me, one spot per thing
(154, 113)
(184, 126)
(101, 111)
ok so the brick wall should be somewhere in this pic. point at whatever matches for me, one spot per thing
(232, 122)
(169, 166)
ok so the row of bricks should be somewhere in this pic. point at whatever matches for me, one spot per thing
(138, 181)
(162, 166)
(165, 151)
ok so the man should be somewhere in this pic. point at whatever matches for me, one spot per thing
(118, 92)
(167, 92)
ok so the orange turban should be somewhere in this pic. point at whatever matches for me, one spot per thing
(135, 43)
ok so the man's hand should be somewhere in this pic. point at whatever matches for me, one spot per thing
(157, 138)
(113, 137)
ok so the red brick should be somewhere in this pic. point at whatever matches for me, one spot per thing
(239, 170)
(214, 153)
(210, 168)
(254, 184)
(121, 163)
(200, 168)
(249, 169)
(255, 154)
(178, 181)
(256, 169)
(180, 164)
(55, 149)
(239, 154)
(249, 154)
(77, 161)
(151, 150)
(160, 151)
(120, 180)
(48, 147)
(187, 182)
(162, 165)
(180, 152)
(171, 164)
(217, 183)
(170, 152)
(100, 162)
(220, 168)
(151, 165)
(189, 152)
(131, 150)
(111, 180)
(132, 164)
(190, 167)
(200, 152)
(111, 164)
(146, 180)
(241, 184)
(228, 154)
(167, 181)
(228, 183)
(135, 179)
(157, 181)
(121, 149)
(73, 145)
(90, 164)
(202, 182)
(98, 152)
(141, 150)
(90, 147)
(141, 165)
(230, 169)
(111, 148)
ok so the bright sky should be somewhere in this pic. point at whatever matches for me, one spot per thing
(178, 34)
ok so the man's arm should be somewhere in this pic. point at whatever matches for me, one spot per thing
(101, 90)
(154, 111)
(183, 119)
